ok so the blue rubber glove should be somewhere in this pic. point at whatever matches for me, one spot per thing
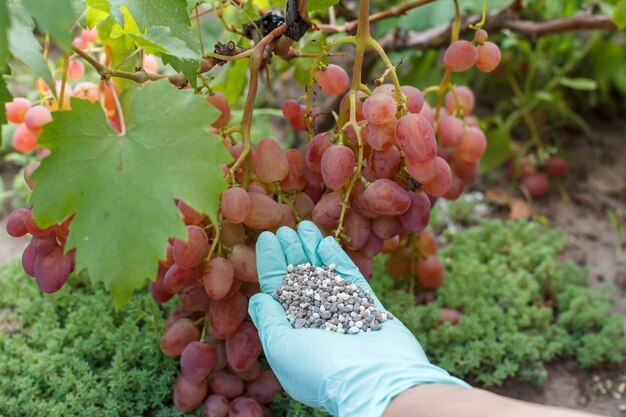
(345, 375)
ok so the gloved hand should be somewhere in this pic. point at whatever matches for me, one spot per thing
(345, 375)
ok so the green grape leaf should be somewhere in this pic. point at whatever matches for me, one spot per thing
(112, 7)
(498, 148)
(580, 83)
(23, 45)
(619, 14)
(55, 17)
(4, 27)
(320, 5)
(5, 97)
(159, 40)
(122, 189)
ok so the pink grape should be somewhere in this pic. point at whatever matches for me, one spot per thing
(466, 100)
(264, 212)
(429, 113)
(450, 131)
(216, 406)
(264, 388)
(187, 254)
(270, 162)
(416, 138)
(44, 245)
(430, 272)
(178, 336)
(373, 246)
(473, 144)
(384, 164)
(380, 137)
(481, 36)
(456, 188)
(36, 117)
(316, 149)
(358, 203)
(235, 205)
(168, 261)
(52, 270)
(386, 197)
(442, 181)
(295, 179)
(379, 109)
(226, 315)
(16, 110)
(488, 57)
(245, 407)
(24, 140)
(556, 167)
(157, 288)
(304, 205)
(257, 187)
(150, 64)
(188, 395)
(76, 69)
(190, 216)
(249, 374)
(291, 109)
(29, 258)
(243, 348)
(195, 298)
(297, 122)
(337, 165)
(243, 259)
(467, 171)
(226, 384)
(345, 102)
(358, 228)
(414, 98)
(327, 211)
(88, 35)
(386, 227)
(422, 172)
(218, 277)
(220, 102)
(536, 184)
(87, 91)
(333, 80)
(288, 218)
(16, 223)
(197, 361)
(177, 279)
(417, 217)
(460, 56)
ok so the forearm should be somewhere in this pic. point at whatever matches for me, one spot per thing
(440, 400)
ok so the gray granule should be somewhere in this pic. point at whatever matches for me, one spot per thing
(317, 297)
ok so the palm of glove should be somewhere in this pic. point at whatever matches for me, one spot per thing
(342, 374)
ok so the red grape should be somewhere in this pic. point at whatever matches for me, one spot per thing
(195, 298)
(16, 110)
(384, 164)
(466, 100)
(76, 69)
(45, 244)
(187, 254)
(270, 162)
(460, 56)
(390, 245)
(488, 57)
(427, 243)
(337, 165)
(177, 278)
(442, 181)
(415, 136)
(380, 137)
(243, 260)
(264, 214)
(315, 150)
(29, 258)
(264, 388)
(386, 197)
(417, 217)
(226, 315)
(157, 288)
(197, 361)
(480, 36)
(386, 226)
(467, 171)
(414, 98)
(215, 406)
(218, 277)
(430, 272)
(536, 184)
(220, 102)
(295, 179)
(556, 167)
(16, 223)
(304, 206)
(358, 228)
(52, 270)
(333, 80)
(226, 384)
(291, 109)
(178, 336)
(379, 109)
(245, 407)
(187, 395)
(24, 140)
(36, 117)
(456, 188)
(327, 211)
(243, 348)
(249, 374)
(450, 131)
(358, 203)
(449, 315)
(288, 218)
(235, 205)
(473, 144)
(422, 172)
(232, 234)
(345, 101)
(373, 246)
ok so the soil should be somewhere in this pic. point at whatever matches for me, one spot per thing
(579, 207)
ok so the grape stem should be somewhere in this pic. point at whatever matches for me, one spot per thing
(445, 82)
(118, 106)
(218, 229)
(66, 64)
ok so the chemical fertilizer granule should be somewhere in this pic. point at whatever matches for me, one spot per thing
(319, 298)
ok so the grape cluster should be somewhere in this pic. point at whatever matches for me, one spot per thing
(534, 180)
(461, 55)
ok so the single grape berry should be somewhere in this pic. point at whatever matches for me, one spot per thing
(24, 140)
(75, 69)
(333, 80)
(150, 64)
(379, 109)
(414, 98)
(235, 205)
(473, 144)
(488, 57)
(270, 162)
(465, 98)
(337, 166)
(291, 109)
(36, 117)
(220, 102)
(416, 138)
(556, 167)
(481, 36)
(430, 272)
(442, 180)
(16, 110)
(450, 131)
(460, 56)
(537, 185)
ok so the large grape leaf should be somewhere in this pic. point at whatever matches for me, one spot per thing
(5, 97)
(23, 45)
(55, 17)
(122, 189)
(4, 27)
(318, 5)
